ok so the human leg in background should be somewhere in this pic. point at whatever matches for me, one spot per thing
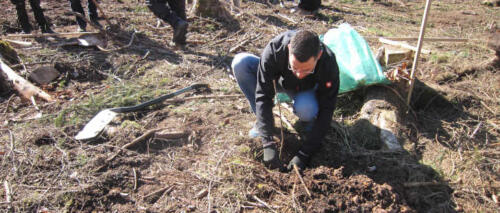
(244, 67)
(39, 17)
(22, 15)
(76, 6)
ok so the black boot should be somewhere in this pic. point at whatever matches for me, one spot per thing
(180, 31)
(270, 158)
(22, 17)
(46, 29)
(300, 160)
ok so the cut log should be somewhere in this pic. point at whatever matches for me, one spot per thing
(17, 43)
(394, 55)
(377, 126)
(21, 85)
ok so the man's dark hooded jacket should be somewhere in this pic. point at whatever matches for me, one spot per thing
(274, 65)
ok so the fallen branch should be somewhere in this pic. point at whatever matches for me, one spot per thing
(301, 180)
(403, 45)
(73, 34)
(18, 43)
(135, 178)
(243, 43)
(24, 87)
(436, 39)
(204, 97)
(263, 203)
(287, 18)
(476, 130)
(159, 191)
(171, 135)
(140, 138)
(421, 184)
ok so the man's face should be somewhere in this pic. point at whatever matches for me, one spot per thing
(302, 69)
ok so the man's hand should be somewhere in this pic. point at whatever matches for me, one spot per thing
(300, 160)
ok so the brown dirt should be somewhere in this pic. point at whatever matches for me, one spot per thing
(217, 168)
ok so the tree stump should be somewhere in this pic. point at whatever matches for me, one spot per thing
(210, 8)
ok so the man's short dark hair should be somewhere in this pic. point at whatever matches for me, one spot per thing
(305, 44)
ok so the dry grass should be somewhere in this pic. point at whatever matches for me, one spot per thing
(453, 141)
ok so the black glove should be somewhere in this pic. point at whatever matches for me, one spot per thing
(271, 158)
(300, 159)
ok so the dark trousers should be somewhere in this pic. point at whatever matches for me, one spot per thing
(171, 13)
(22, 15)
(76, 6)
(310, 5)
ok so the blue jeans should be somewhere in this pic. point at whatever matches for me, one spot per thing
(244, 65)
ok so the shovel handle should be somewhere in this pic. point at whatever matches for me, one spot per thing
(157, 100)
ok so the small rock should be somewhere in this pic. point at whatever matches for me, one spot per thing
(44, 75)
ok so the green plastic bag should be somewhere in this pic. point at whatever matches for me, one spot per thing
(357, 65)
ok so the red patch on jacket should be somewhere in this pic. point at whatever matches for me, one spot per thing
(328, 84)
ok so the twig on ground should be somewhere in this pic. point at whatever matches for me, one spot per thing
(287, 18)
(163, 190)
(282, 138)
(12, 141)
(8, 192)
(243, 43)
(141, 138)
(201, 194)
(263, 203)
(25, 71)
(210, 183)
(488, 108)
(204, 97)
(301, 180)
(34, 103)
(110, 75)
(476, 130)
(135, 178)
(421, 184)
(225, 38)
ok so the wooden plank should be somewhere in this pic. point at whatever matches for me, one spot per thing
(403, 45)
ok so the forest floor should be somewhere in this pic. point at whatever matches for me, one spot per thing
(451, 156)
